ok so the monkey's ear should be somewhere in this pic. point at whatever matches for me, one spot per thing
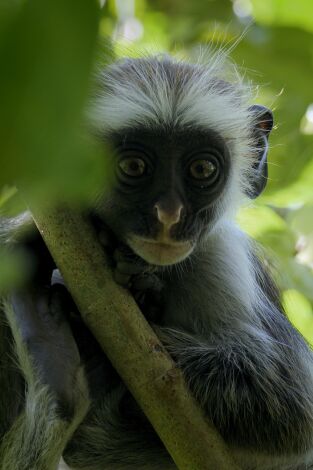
(262, 125)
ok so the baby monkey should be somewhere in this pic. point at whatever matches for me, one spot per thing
(188, 150)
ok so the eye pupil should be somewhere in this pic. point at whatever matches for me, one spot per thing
(202, 169)
(132, 166)
(199, 169)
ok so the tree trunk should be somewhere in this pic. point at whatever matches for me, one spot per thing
(113, 317)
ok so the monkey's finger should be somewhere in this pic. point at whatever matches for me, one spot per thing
(130, 268)
(124, 254)
(121, 278)
(139, 296)
(147, 281)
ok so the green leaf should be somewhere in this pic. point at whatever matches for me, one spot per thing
(284, 12)
(14, 269)
(300, 312)
(48, 48)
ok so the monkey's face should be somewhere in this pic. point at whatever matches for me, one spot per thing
(166, 190)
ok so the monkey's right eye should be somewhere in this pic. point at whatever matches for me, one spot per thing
(133, 166)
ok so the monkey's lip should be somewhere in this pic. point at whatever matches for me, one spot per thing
(162, 253)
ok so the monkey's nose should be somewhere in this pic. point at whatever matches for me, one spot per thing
(168, 217)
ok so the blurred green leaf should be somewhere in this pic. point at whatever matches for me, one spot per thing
(14, 269)
(6, 193)
(299, 312)
(48, 50)
(284, 12)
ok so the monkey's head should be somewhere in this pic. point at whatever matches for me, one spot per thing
(187, 148)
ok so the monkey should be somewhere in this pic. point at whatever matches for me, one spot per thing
(188, 150)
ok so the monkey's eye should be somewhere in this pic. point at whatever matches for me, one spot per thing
(133, 166)
(203, 169)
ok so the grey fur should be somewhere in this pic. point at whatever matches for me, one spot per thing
(38, 435)
(222, 321)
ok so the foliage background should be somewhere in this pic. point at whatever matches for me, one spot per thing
(46, 50)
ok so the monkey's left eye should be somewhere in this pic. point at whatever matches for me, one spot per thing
(133, 166)
(203, 169)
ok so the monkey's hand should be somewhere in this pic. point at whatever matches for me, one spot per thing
(41, 328)
(132, 272)
(141, 279)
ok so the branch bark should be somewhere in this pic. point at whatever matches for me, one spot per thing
(113, 317)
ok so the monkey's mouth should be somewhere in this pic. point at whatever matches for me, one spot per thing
(161, 253)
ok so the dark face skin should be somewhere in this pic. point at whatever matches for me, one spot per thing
(165, 189)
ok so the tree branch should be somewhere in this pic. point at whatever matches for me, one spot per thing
(113, 317)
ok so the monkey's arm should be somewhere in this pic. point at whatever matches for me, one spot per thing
(254, 384)
(11, 381)
(56, 397)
